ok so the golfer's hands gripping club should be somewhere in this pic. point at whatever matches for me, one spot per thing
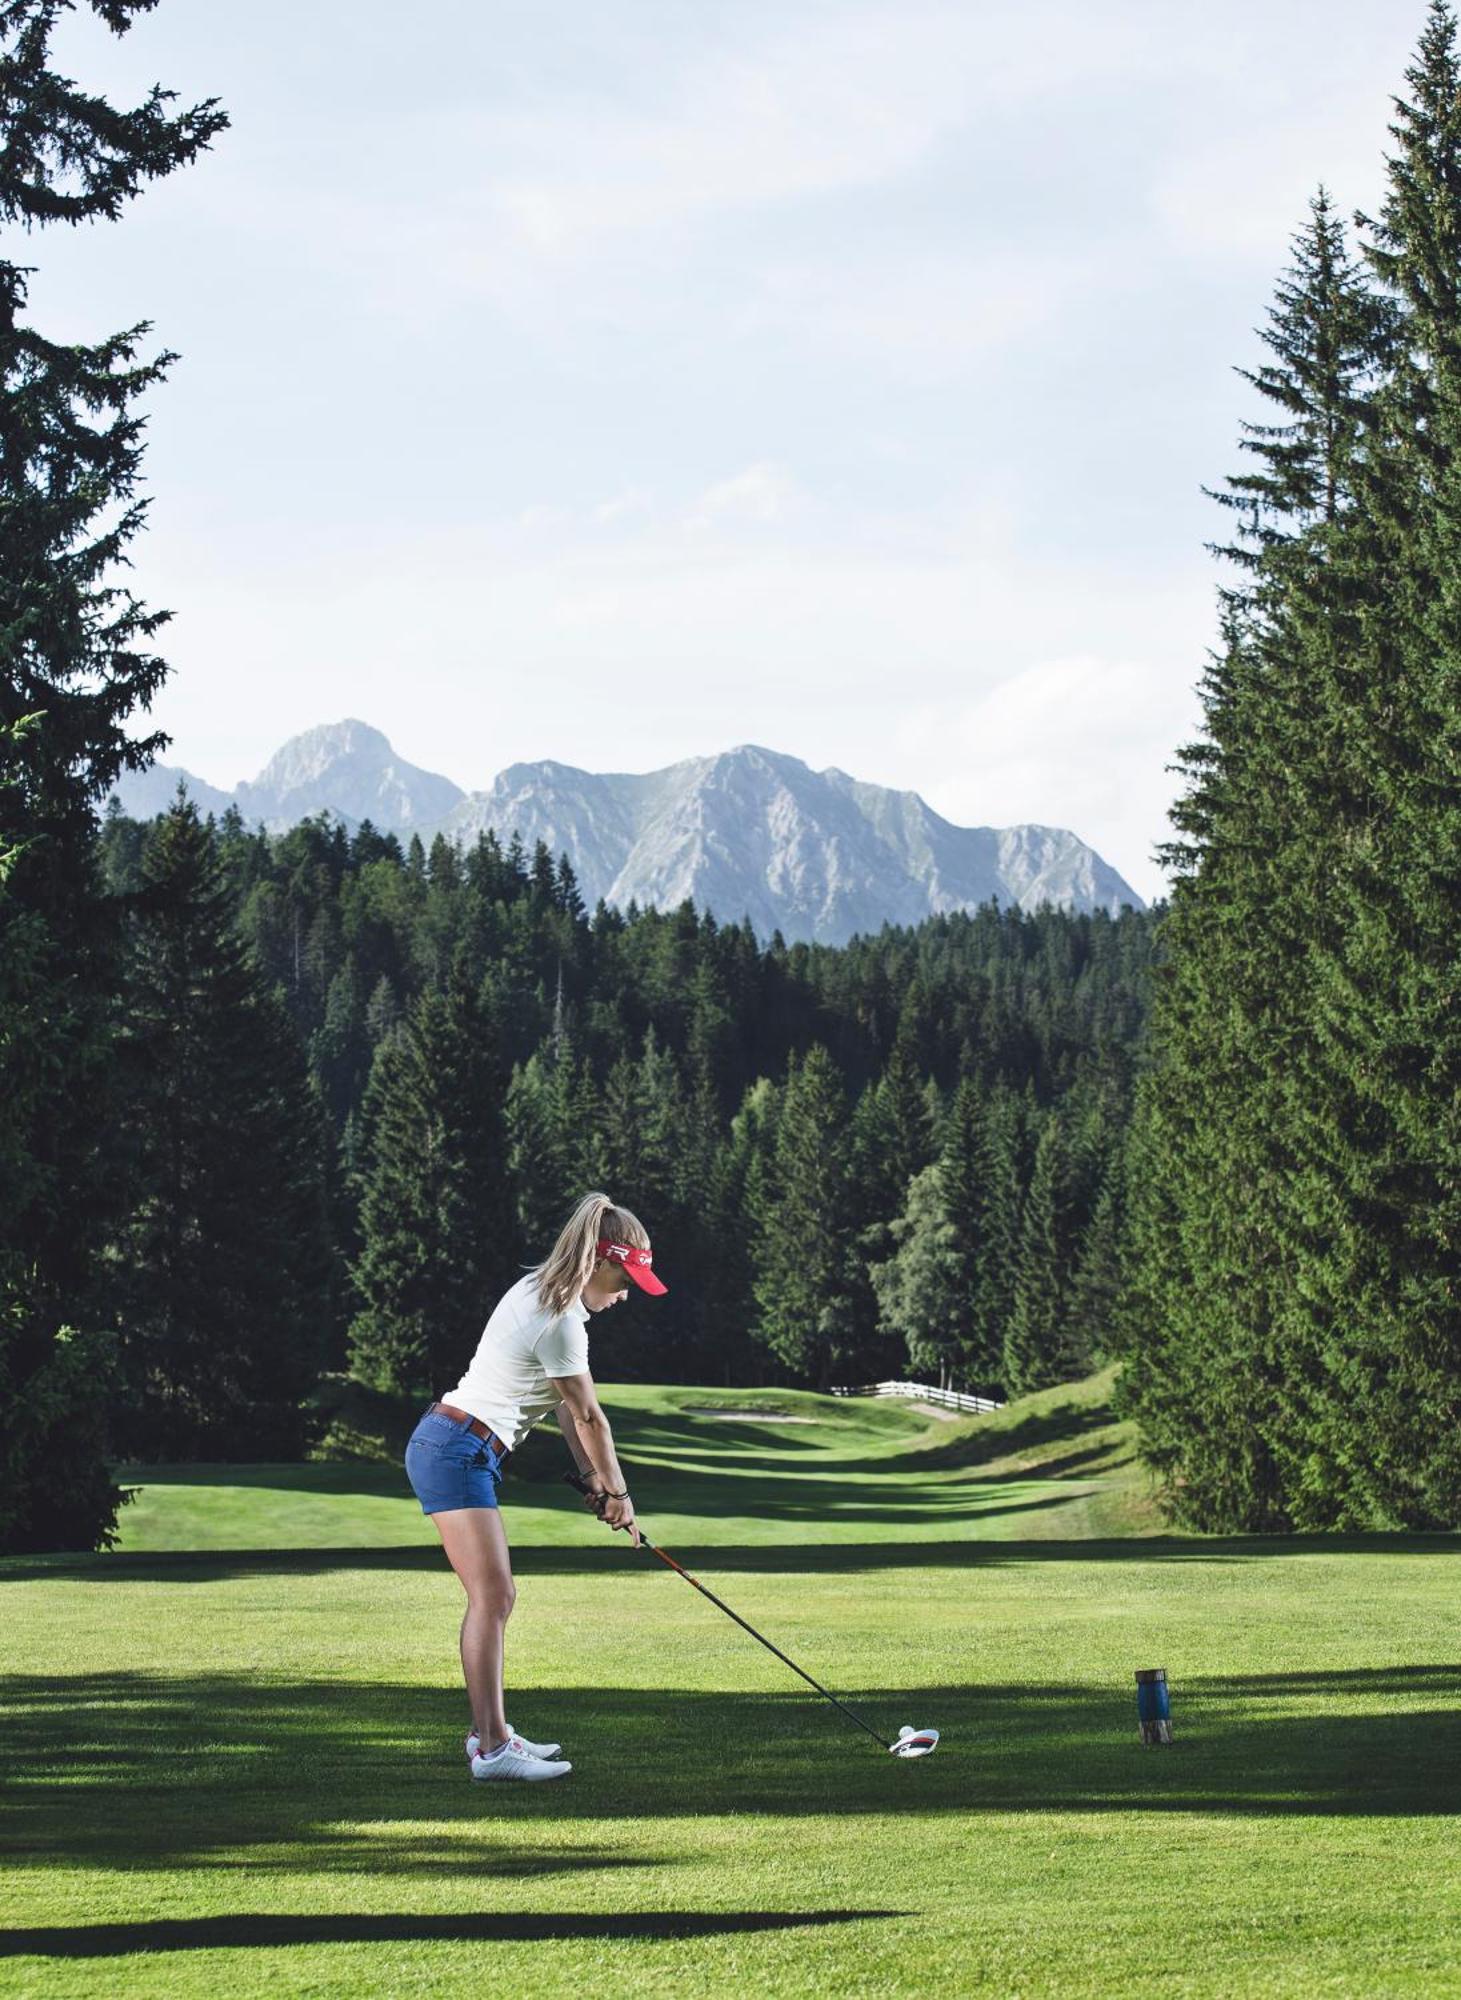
(616, 1510)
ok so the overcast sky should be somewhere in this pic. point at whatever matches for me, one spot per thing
(617, 383)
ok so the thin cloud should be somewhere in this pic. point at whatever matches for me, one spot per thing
(763, 492)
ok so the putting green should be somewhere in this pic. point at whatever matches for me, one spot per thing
(233, 1747)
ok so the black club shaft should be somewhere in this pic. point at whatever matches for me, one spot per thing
(679, 1569)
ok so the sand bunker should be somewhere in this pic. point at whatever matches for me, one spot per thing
(756, 1416)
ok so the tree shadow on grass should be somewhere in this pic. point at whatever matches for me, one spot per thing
(368, 1478)
(539, 1483)
(818, 1495)
(598, 1555)
(685, 1448)
(716, 1437)
(681, 1447)
(819, 1504)
(249, 1930)
(1086, 1461)
(984, 1441)
(804, 1521)
(539, 1461)
(227, 1771)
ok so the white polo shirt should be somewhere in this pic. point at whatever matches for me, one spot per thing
(522, 1345)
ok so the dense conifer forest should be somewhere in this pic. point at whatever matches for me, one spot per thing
(395, 1069)
(273, 1108)
(1293, 1307)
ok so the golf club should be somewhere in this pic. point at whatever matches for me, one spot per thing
(909, 1742)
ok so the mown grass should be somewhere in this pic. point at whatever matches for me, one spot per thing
(233, 1745)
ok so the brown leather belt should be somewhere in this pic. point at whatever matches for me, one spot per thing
(474, 1424)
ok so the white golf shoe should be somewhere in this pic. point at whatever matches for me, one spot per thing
(516, 1760)
(473, 1745)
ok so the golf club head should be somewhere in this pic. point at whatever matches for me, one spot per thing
(914, 1742)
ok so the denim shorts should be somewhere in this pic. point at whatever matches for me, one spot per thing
(449, 1466)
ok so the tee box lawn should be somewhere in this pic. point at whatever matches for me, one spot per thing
(233, 1746)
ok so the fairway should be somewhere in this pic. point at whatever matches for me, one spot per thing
(233, 1746)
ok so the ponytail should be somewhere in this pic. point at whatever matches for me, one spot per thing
(567, 1269)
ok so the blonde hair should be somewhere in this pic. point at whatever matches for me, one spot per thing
(567, 1269)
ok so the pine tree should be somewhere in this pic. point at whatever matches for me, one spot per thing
(1036, 1352)
(1331, 333)
(1001, 1169)
(918, 1288)
(640, 1116)
(339, 1048)
(805, 1235)
(711, 1036)
(77, 1512)
(566, 892)
(221, 1338)
(552, 1144)
(436, 1222)
(382, 1011)
(966, 1204)
(706, 1334)
(1368, 1332)
(1097, 1278)
(74, 651)
(1291, 1316)
(1378, 1112)
(736, 1191)
(889, 1141)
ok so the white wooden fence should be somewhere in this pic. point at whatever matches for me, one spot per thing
(924, 1392)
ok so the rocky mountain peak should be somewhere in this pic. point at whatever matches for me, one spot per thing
(745, 832)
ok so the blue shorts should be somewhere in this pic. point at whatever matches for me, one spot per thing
(449, 1466)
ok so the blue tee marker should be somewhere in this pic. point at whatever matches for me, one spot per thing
(1153, 1709)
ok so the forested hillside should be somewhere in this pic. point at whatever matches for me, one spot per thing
(1295, 1292)
(365, 1084)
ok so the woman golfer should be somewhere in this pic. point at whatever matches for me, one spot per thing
(533, 1356)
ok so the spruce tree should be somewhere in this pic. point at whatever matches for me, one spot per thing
(1367, 1332)
(888, 1144)
(1331, 333)
(1378, 1325)
(224, 1263)
(967, 1207)
(918, 1290)
(639, 1118)
(736, 1194)
(806, 1232)
(553, 1147)
(438, 1245)
(1097, 1275)
(382, 1011)
(1291, 1311)
(79, 1511)
(706, 1338)
(74, 651)
(647, 1158)
(1000, 1164)
(340, 1047)
(1035, 1343)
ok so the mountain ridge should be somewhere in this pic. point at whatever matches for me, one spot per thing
(744, 832)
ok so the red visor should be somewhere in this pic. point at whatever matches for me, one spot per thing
(636, 1263)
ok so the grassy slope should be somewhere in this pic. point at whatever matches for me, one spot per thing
(233, 1759)
(1052, 1465)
